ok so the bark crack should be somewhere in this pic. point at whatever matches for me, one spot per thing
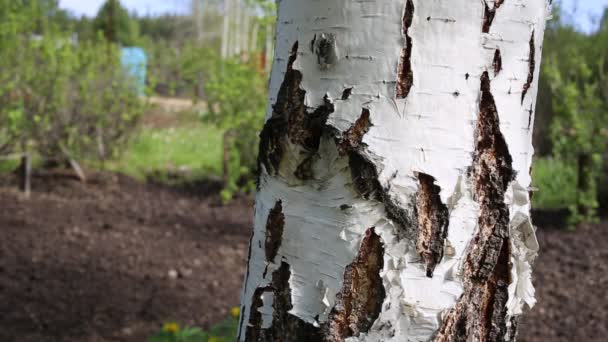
(405, 75)
(433, 221)
(531, 67)
(274, 231)
(497, 62)
(481, 313)
(359, 302)
(489, 14)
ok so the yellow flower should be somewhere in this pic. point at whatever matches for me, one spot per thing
(214, 339)
(171, 327)
(235, 312)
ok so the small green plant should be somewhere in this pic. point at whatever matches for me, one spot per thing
(225, 331)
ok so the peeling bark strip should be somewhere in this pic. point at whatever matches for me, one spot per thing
(480, 314)
(359, 302)
(405, 76)
(433, 221)
(489, 14)
(291, 118)
(286, 327)
(274, 231)
(531, 67)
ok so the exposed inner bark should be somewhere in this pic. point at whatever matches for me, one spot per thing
(489, 14)
(405, 76)
(480, 314)
(359, 302)
(433, 221)
(274, 231)
(291, 118)
(531, 67)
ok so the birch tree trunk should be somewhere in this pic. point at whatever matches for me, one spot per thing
(393, 198)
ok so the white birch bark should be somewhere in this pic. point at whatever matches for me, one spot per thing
(393, 198)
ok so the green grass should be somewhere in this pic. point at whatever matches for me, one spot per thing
(192, 150)
(556, 183)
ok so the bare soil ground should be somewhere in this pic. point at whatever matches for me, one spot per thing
(113, 259)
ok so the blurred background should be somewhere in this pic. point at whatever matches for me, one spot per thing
(128, 141)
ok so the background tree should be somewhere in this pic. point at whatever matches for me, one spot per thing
(116, 24)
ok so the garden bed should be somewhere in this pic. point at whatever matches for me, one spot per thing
(113, 259)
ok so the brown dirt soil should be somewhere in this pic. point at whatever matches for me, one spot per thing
(92, 262)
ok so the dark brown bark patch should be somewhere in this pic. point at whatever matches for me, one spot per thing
(324, 46)
(497, 62)
(359, 302)
(433, 221)
(531, 67)
(274, 231)
(481, 313)
(405, 76)
(489, 14)
(353, 138)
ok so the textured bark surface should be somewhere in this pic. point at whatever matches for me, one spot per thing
(359, 302)
(481, 312)
(274, 231)
(393, 200)
(433, 220)
(405, 76)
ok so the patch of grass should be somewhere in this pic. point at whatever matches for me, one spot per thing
(556, 183)
(191, 150)
(8, 165)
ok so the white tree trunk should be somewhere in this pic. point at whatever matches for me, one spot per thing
(393, 196)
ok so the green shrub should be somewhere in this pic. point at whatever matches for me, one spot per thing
(236, 96)
(556, 184)
(578, 130)
(58, 98)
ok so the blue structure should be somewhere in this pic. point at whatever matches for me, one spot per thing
(135, 62)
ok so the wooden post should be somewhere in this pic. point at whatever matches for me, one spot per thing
(26, 174)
